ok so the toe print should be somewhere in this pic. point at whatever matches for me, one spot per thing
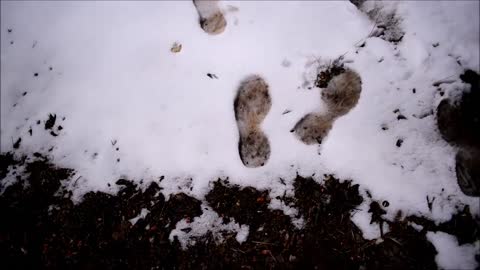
(251, 106)
(212, 19)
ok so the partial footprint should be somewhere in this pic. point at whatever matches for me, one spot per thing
(212, 19)
(342, 93)
(251, 106)
(313, 128)
(340, 96)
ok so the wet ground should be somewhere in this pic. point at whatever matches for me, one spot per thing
(42, 228)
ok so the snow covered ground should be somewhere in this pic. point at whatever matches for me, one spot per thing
(130, 107)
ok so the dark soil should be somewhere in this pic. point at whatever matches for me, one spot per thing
(326, 74)
(42, 228)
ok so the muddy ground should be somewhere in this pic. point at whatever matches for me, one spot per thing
(41, 228)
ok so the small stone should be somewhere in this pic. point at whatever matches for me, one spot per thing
(176, 47)
(399, 142)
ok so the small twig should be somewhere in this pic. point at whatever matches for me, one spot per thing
(75, 182)
(371, 31)
(395, 241)
(238, 250)
(444, 80)
(262, 243)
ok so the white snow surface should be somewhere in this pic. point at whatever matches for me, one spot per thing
(143, 213)
(187, 231)
(451, 255)
(118, 85)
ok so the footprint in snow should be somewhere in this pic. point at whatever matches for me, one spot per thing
(212, 19)
(251, 106)
(341, 95)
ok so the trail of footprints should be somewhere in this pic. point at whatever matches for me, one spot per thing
(253, 102)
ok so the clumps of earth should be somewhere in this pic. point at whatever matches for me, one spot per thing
(42, 228)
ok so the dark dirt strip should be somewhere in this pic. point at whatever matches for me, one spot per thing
(41, 228)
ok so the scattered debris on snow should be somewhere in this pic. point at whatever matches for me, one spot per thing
(176, 47)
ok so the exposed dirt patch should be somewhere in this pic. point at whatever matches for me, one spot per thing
(42, 228)
(326, 74)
